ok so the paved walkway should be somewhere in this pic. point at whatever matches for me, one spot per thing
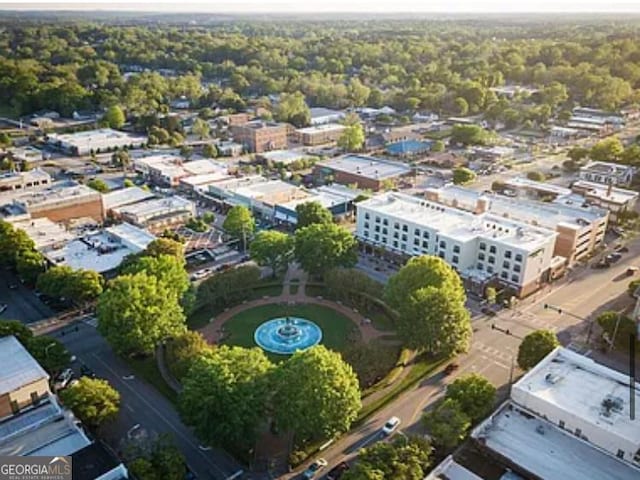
(175, 385)
(214, 331)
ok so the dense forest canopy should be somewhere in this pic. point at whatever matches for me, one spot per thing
(446, 66)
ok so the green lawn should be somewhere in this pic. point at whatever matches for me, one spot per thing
(337, 330)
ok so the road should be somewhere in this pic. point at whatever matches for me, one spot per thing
(141, 404)
(22, 303)
(585, 292)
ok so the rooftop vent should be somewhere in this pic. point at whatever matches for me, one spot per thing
(552, 378)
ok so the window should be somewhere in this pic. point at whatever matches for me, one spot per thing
(480, 266)
(425, 244)
(35, 399)
(516, 268)
(456, 249)
(405, 228)
(443, 244)
(454, 259)
(505, 264)
(366, 224)
(395, 244)
(515, 278)
(396, 226)
(492, 260)
(416, 232)
(377, 219)
(366, 216)
(504, 275)
(481, 256)
(518, 257)
(490, 269)
(416, 242)
(483, 246)
(620, 453)
(404, 237)
(492, 249)
(396, 235)
(377, 228)
(366, 233)
(376, 237)
(441, 254)
(384, 230)
(561, 423)
(507, 254)
(403, 247)
(385, 222)
(15, 408)
(425, 234)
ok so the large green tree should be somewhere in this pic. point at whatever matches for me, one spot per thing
(316, 394)
(273, 249)
(474, 393)
(240, 224)
(535, 346)
(470, 135)
(168, 270)
(79, 286)
(320, 247)
(293, 108)
(30, 264)
(447, 423)
(607, 150)
(184, 350)
(94, 401)
(228, 288)
(352, 137)
(312, 212)
(165, 246)
(114, 117)
(158, 459)
(463, 176)
(51, 354)
(138, 311)
(17, 329)
(225, 395)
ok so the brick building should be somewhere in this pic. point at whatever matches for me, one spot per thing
(362, 170)
(259, 136)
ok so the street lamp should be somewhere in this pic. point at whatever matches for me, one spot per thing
(46, 349)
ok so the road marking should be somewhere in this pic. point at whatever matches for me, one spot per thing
(129, 407)
(155, 410)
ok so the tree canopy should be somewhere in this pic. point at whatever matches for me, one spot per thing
(463, 176)
(312, 212)
(239, 223)
(320, 247)
(93, 401)
(535, 346)
(79, 286)
(273, 249)
(470, 135)
(114, 117)
(474, 393)
(447, 423)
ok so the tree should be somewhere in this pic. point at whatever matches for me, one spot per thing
(49, 353)
(127, 183)
(536, 176)
(210, 151)
(316, 394)
(607, 150)
(616, 327)
(17, 329)
(122, 159)
(79, 286)
(631, 155)
(430, 299)
(159, 460)
(312, 212)
(437, 146)
(578, 154)
(167, 269)
(29, 265)
(272, 248)
(240, 224)
(475, 395)
(114, 117)
(320, 247)
(228, 288)
(535, 346)
(225, 395)
(490, 294)
(138, 311)
(201, 128)
(165, 246)
(5, 140)
(94, 401)
(463, 176)
(352, 137)
(447, 423)
(98, 185)
(184, 350)
(12, 243)
(405, 458)
(461, 106)
(469, 135)
(293, 108)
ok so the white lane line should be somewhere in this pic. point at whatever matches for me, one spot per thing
(157, 412)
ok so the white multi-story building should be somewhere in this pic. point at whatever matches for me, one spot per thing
(481, 247)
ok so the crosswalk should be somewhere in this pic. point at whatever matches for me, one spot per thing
(502, 358)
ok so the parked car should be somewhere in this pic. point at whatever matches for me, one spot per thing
(63, 379)
(391, 425)
(601, 264)
(631, 271)
(13, 286)
(452, 367)
(336, 472)
(613, 257)
(314, 468)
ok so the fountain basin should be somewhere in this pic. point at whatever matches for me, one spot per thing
(286, 335)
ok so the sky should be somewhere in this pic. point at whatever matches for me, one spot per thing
(369, 6)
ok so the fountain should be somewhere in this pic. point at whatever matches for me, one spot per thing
(285, 335)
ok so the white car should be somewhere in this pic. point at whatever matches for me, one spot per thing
(391, 425)
(63, 379)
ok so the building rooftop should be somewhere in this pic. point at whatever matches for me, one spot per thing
(125, 196)
(329, 127)
(205, 179)
(459, 224)
(546, 451)
(605, 192)
(102, 137)
(328, 196)
(606, 168)
(262, 189)
(259, 125)
(55, 192)
(202, 167)
(449, 469)
(523, 182)
(34, 175)
(93, 461)
(19, 368)
(317, 112)
(283, 156)
(365, 166)
(156, 207)
(157, 159)
(584, 389)
(44, 232)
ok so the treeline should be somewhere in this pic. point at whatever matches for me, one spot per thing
(447, 67)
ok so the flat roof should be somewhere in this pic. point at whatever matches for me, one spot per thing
(156, 207)
(201, 167)
(44, 232)
(136, 238)
(329, 127)
(541, 186)
(92, 461)
(19, 368)
(262, 189)
(317, 112)
(458, 224)
(368, 167)
(449, 469)
(606, 168)
(205, 179)
(283, 156)
(157, 159)
(96, 138)
(55, 192)
(546, 451)
(125, 196)
(601, 191)
(580, 386)
(35, 174)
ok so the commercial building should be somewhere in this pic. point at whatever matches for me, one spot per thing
(336, 198)
(102, 251)
(481, 246)
(535, 190)
(408, 148)
(229, 149)
(259, 136)
(168, 170)
(97, 141)
(59, 202)
(614, 199)
(605, 172)
(282, 157)
(124, 196)
(200, 183)
(580, 228)
(35, 178)
(592, 125)
(34, 425)
(158, 214)
(568, 417)
(323, 116)
(363, 171)
(319, 134)
(44, 233)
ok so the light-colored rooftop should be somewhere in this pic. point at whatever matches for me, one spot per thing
(329, 127)
(545, 450)
(606, 168)
(449, 469)
(458, 224)
(34, 175)
(156, 159)
(602, 192)
(135, 238)
(317, 112)
(19, 368)
(202, 167)
(44, 232)
(97, 138)
(55, 192)
(156, 207)
(283, 156)
(125, 196)
(205, 179)
(523, 182)
(263, 189)
(580, 386)
(365, 166)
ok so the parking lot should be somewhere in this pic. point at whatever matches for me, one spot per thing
(200, 241)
